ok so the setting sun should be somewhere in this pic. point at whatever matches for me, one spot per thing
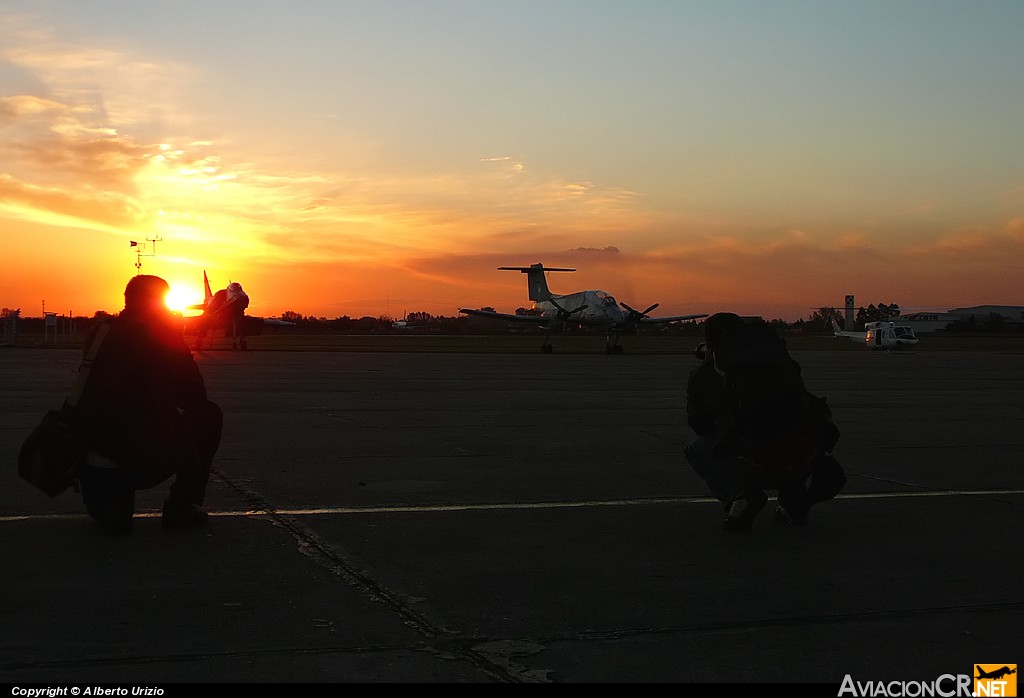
(181, 300)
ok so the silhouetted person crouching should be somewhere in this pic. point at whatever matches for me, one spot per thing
(758, 427)
(145, 407)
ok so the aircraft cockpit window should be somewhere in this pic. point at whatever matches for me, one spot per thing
(904, 332)
(607, 300)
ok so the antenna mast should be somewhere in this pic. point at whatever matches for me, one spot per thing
(140, 252)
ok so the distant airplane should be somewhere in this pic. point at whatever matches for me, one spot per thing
(996, 674)
(225, 311)
(882, 334)
(590, 308)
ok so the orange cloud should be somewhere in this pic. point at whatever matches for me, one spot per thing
(92, 159)
(17, 107)
(109, 209)
(1015, 229)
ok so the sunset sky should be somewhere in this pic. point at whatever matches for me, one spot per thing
(345, 157)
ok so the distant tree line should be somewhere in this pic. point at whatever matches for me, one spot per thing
(822, 317)
(818, 322)
(423, 322)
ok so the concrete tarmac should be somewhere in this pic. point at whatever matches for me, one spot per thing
(434, 517)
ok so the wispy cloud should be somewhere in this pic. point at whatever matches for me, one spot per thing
(1015, 229)
(610, 249)
(107, 210)
(16, 107)
(51, 140)
(116, 85)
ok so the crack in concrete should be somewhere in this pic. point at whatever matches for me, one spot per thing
(442, 642)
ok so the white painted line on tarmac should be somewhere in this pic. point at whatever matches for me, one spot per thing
(506, 506)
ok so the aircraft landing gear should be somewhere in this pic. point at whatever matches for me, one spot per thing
(546, 347)
(612, 345)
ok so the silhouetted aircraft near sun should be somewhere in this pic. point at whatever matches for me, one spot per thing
(225, 311)
(589, 308)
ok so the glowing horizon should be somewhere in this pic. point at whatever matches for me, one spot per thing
(386, 158)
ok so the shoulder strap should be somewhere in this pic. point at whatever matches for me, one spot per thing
(90, 356)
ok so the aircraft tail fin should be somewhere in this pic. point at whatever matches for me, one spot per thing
(206, 289)
(835, 328)
(535, 279)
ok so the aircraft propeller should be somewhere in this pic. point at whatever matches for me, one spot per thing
(563, 314)
(635, 316)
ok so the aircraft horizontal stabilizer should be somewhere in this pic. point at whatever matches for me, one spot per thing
(536, 267)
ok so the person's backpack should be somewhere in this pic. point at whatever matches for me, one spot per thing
(51, 455)
(779, 424)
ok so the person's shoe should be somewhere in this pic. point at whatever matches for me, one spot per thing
(790, 516)
(183, 515)
(743, 510)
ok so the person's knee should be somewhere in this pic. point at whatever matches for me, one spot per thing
(205, 424)
(209, 415)
(827, 478)
(205, 421)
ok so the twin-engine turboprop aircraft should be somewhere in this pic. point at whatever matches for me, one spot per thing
(589, 308)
